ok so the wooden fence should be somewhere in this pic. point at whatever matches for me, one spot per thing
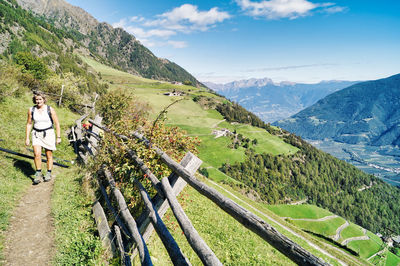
(126, 230)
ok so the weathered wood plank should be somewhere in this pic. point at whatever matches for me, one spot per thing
(78, 129)
(112, 209)
(204, 252)
(159, 201)
(175, 253)
(131, 224)
(106, 236)
(93, 141)
(120, 244)
(125, 259)
(74, 140)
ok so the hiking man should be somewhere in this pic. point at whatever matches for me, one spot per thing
(43, 117)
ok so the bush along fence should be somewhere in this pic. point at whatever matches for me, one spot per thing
(127, 231)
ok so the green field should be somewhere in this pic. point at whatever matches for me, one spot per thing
(299, 211)
(325, 228)
(365, 248)
(352, 230)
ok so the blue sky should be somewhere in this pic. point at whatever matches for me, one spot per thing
(285, 40)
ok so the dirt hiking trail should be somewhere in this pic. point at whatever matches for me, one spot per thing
(29, 239)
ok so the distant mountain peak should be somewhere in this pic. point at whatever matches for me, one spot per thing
(275, 101)
(71, 16)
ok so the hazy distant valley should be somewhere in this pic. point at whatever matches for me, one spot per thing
(275, 101)
(359, 124)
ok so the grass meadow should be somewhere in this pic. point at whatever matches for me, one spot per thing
(352, 230)
(299, 211)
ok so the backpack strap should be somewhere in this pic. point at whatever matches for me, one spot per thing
(32, 111)
(49, 113)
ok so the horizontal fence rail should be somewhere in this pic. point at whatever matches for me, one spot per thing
(286, 246)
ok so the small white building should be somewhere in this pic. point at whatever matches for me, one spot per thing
(222, 132)
(174, 93)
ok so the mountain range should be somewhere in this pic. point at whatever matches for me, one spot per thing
(367, 113)
(115, 47)
(275, 101)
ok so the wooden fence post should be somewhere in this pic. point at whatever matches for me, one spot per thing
(175, 253)
(105, 233)
(125, 259)
(62, 91)
(93, 141)
(191, 163)
(131, 224)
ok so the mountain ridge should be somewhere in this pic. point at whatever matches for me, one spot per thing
(275, 101)
(367, 112)
(115, 46)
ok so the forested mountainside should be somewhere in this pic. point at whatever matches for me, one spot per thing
(114, 47)
(318, 177)
(44, 54)
(276, 101)
(367, 112)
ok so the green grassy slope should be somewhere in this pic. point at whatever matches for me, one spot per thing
(196, 120)
(299, 211)
(365, 248)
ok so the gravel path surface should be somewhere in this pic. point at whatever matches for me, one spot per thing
(29, 239)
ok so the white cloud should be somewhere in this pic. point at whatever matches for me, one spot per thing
(177, 44)
(136, 19)
(292, 9)
(335, 9)
(187, 18)
(120, 24)
(141, 33)
(183, 19)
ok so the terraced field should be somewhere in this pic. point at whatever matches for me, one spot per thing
(322, 222)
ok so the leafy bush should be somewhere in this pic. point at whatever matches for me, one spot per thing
(125, 114)
(32, 64)
(119, 105)
(8, 82)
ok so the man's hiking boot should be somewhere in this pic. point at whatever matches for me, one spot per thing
(37, 178)
(47, 177)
